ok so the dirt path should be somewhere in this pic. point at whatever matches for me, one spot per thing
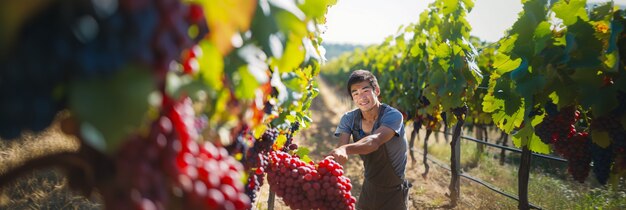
(326, 109)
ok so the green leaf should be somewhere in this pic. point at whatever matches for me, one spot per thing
(114, 106)
(245, 83)
(315, 8)
(543, 33)
(443, 56)
(601, 138)
(450, 6)
(508, 122)
(534, 12)
(526, 136)
(602, 11)
(211, 65)
(521, 71)
(292, 81)
(263, 26)
(469, 4)
(290, 24)
(600, 100)
(565, 93)
(587, 49)
(503, 63)
(293, 56)
(303, 152)
(611, 62)
(280, 141)
(506, 107)
(507, 44)
(570, 11)
(531, 84)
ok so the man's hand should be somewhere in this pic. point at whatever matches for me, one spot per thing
(339, 154)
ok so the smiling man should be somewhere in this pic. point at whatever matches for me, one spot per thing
(377, 131)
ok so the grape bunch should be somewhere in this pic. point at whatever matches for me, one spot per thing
(256, 176)
(558, 126)
(257, 161)
(76, 39)
(577, 152)
(602, 160)
(168, 169)
(267, 140)
(261, 146)
(306, 186)
(289, 144)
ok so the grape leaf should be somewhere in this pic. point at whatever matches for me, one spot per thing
(114, 106)
(303, 153)
(504, 105)
(570, 11)
(526, 136)
(601, 138)
(293, 56)
(211, 65)
(245, 83)
(534, 12)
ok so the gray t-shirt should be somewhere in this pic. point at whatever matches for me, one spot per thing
(396, 147)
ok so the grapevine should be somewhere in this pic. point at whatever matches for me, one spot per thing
(553, 77)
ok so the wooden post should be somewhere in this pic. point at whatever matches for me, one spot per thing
(480, 135)
(415, 133)
(428, 132)
(485, 136)
(505, 138)
(455, 163)
(523, 174)
(270, 200)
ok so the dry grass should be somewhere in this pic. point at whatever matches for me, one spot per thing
(44, 188)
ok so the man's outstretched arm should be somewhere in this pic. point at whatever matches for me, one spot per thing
(364, 146)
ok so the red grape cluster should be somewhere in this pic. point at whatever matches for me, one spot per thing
(257, 174)
(257, 161)
(306, 186)
(169, 169)
(578, 154)
(558, 127)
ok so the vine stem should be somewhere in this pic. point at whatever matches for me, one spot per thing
(415, 133)
(455, 156)
(425, 161)
(523, 175)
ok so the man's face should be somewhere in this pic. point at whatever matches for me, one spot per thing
(364, 95)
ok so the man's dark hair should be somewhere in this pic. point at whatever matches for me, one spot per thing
(360, 76)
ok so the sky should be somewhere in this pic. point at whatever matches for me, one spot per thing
(370, 21)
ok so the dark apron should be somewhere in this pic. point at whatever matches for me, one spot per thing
(382, 188)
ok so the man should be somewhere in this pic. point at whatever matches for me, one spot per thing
(378, 133)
